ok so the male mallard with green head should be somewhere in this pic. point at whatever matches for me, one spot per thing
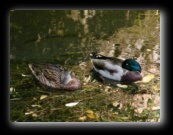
(55, 76)
(117, 69)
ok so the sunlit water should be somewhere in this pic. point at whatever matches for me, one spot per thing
(67, 38)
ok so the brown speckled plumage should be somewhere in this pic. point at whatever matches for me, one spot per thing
(55, 76)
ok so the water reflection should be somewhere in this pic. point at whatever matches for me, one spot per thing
(84, 31)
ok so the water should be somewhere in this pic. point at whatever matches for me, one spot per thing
(67, 37)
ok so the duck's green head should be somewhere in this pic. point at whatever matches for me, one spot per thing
(131, 65)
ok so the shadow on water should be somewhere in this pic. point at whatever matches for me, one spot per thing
(67, 38)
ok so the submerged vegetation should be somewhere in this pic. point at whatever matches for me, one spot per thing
(96, 101)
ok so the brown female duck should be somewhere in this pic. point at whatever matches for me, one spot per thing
(55, 76)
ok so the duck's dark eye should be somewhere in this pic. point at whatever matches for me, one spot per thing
(131, 65)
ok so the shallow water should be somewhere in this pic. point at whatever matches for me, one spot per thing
(67, 38)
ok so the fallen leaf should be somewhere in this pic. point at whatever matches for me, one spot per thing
(82, 118)
(156, 108)
(122, 86)
(156, 88)
(25, 75)
(35, 105)
(87, 79)
(34, 115)
(118, 104)
(107, 88)
(89, 111)
(12, 89)
(93, 116)
(71, 104)
(148, 78)
(31, 112)
(43, 97)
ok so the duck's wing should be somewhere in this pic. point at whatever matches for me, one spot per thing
(49, 74)
(99, 57)
(55, 76)
(110, 64)
(115, 61)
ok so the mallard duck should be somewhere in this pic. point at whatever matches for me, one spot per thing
(55, 76)
(117, 69)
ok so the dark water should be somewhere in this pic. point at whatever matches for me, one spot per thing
(67, 37)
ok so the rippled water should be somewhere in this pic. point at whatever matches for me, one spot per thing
(67, 38)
